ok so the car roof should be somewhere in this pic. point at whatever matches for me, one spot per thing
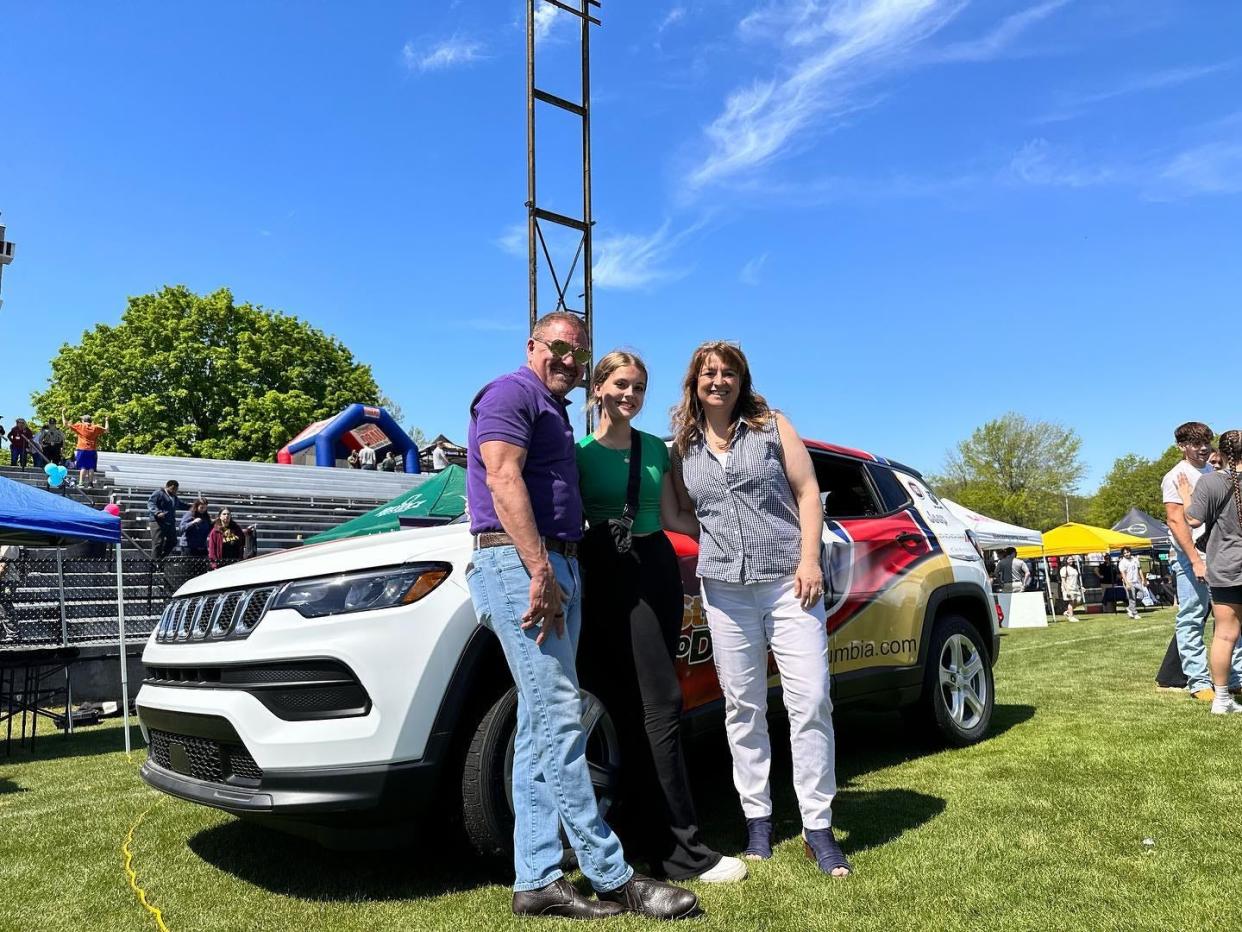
(863, 455)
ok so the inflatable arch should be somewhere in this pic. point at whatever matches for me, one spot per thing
(335, 438)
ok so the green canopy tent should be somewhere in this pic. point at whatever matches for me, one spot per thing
(443, 496)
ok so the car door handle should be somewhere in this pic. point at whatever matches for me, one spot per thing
(908, 537)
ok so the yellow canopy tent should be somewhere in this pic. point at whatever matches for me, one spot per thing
(1073, 538)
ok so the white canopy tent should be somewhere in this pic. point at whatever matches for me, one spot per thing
(992, 534)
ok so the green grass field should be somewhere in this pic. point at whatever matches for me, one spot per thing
(1040, 826)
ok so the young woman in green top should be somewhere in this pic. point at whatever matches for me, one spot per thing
(631, 622)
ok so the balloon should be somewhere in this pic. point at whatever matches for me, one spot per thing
(55, 474)
(49, 468)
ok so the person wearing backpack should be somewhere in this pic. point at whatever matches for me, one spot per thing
(1216, 504)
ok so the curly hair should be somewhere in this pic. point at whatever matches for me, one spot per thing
(1231, 450)
(687, 414)
(1192, 432)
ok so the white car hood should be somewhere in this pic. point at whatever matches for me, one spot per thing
(339, 556)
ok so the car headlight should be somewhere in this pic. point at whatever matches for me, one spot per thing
(361, 592)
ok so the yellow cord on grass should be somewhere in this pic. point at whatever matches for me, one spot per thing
(133, 877)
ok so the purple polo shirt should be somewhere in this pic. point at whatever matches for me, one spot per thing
(519, 409)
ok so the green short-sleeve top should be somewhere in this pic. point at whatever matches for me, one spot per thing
(603, 474)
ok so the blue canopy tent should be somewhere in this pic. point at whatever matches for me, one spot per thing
(33, 517)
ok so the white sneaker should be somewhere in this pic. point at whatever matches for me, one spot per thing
(731, 870)
(1228, 707)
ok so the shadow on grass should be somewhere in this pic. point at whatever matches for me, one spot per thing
(86, 741)
(8, 786)
(291, 866)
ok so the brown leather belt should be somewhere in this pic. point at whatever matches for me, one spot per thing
(567, 548)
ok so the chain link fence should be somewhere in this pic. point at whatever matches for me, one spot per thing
(50, 599)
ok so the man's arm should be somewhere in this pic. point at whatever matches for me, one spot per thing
(503, 462)
(153, 505)
(1175, 518)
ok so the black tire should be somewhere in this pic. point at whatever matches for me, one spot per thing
(944, 708)
(486, 780)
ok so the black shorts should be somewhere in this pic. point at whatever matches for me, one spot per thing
(1230, 595)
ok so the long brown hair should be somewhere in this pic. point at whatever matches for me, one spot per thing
(687, 415)
(1231, 449)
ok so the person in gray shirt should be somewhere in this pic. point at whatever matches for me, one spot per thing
(1217, 504)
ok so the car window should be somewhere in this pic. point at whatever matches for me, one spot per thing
(844, 488)
(892, 492)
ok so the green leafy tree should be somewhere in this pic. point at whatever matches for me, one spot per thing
(190, 375)
(1134, 481)
(1016, 470)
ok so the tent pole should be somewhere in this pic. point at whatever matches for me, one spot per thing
(1052, 603)
(120, 624)
(64, 637)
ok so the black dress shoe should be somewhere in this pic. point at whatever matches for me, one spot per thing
(654, 899)
(561, 898)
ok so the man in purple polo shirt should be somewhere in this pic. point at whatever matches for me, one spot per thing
(526, 517)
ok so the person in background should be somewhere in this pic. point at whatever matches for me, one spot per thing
(388, 463)
(114, 505)
(21, 440)
(51, 442)
(194, 529)
(1011, 574)
(632, 606)
(162, 507)
(1194, 438)
(1215, 461)
(526, 518)
(227, 541)
(742, 472)
(366, 457)
(353, 460)
(1217, 504)
(86, 456)
(3, 433)
(1071, 587)
(439, 459)
(1132, 579)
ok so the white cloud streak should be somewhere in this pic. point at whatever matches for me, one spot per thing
(632, 261)
(997, 42)
(750, 271)
(674, 15)
(514, 240)
(1211, 168)
(836, 48)
(448, 53)
(1075, 105)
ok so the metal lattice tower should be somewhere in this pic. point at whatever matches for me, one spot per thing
(536, 215)
(6, 254)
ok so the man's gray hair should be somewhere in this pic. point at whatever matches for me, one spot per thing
(547, 320)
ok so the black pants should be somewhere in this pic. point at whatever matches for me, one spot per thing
(163, 540)
(631, 620)
(1170, 672)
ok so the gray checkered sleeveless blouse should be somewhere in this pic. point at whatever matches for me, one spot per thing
(746, 510)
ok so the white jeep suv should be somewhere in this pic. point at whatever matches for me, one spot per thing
(342, 690)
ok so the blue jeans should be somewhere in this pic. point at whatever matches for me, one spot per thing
(1193, 600)
(551, 782)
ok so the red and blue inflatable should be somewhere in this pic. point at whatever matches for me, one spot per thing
(357, 426)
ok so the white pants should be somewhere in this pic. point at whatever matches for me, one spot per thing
(744, 620)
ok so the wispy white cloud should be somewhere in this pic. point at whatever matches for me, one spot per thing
(750, 271)
(1210, 168)
(836, 51)
(1074, 105)
(549, 20)
(1040, 163)
(447, 53)
(1001, 38)
(675, 15)
(513, 240)
(629, 261)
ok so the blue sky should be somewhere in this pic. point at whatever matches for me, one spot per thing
(914, 214)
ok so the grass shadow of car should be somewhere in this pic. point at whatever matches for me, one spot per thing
(290, 866)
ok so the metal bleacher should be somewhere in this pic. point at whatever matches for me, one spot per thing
(287, 504)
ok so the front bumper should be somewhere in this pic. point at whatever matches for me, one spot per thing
(394, 789)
